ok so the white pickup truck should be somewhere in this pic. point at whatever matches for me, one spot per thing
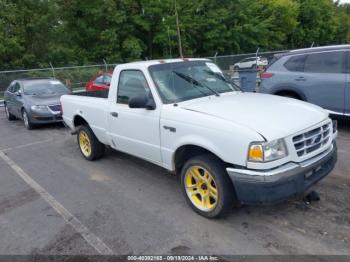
(229, 146)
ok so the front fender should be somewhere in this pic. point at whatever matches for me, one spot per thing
(230, 147)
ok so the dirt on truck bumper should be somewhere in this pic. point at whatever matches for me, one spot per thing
(254, 187)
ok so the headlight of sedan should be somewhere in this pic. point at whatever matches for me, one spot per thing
(39, 108)
(267, 151)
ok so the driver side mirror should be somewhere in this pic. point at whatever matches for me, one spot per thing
(18, 93)
(142, 101)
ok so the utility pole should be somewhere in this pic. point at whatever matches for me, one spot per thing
(178, 31)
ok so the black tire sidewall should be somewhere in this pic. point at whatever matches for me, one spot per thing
(9, 116)
(7, 113)
(226, 194)
(97, 149)
(29, 126)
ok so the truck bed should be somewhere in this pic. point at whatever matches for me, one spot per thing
(99, 94)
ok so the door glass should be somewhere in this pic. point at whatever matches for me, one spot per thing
(16, 88)
(132, 83)
(99, 80)
(295, 63)
(107, 79)
(11, 88)
(330, 62)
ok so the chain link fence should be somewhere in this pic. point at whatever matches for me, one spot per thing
(244, 69)
(242, 72)
(75, 77)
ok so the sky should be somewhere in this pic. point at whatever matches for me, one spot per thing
(344, 1)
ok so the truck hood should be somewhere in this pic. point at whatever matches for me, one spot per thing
(271, 116)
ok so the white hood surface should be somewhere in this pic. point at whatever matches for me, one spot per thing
(272, 116)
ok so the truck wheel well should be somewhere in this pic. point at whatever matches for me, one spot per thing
(186, 152)
(288, 93)
(79, 121)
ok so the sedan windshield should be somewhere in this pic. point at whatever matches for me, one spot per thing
(44, 87)
(181, 81)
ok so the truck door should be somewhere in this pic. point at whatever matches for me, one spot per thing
(133, 130)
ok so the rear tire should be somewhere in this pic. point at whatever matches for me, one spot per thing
(9, 116)
(26, 120)
(89, 146)
(207, 186)
(289, 95)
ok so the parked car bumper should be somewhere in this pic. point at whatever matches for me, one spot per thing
(44, 117)
(256, 187)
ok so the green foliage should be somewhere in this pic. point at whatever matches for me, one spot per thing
(35, 33)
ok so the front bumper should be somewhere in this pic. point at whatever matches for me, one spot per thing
(37, 117)
(277, 185)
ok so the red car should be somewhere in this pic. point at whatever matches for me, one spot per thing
(100, 82)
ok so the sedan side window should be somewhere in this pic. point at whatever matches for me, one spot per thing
(16, 87)
(107, 79)
(330, 62)
(99, 80)
(132, 83)
(11, 88)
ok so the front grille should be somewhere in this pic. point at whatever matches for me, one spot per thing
(310, 141)
(55, 108)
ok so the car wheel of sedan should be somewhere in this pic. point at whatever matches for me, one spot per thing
(207, 186)
(26, 120)
(89, 145)
(9, 116)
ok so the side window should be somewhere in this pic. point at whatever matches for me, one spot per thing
(107, 79)
(99, 80)
(330, 62)
(131, 83)
(11, 87)
(295, 63)
(16, 87)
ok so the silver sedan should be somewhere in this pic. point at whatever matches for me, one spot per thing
(35, 101)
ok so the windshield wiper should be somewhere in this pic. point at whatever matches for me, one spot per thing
(221, 77)
(195, 82)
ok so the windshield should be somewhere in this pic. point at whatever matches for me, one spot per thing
(44, 87)
(181, 81)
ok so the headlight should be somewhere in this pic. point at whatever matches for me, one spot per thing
(39, 108)
(267, 151)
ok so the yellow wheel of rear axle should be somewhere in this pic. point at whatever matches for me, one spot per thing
(84, 143)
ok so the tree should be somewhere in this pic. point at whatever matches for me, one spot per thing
(34, 33)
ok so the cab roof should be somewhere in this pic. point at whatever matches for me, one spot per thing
(148, 63)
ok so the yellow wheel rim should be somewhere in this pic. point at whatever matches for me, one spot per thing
(84, 143)
(201, 188)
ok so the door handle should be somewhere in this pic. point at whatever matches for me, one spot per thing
(170, 128)
(114, 114)
(300, 78)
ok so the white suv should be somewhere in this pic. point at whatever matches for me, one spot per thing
(251, 62)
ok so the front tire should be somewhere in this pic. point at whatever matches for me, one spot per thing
(90, 147)
(26, 120)
(207, 186)
(9, 116)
